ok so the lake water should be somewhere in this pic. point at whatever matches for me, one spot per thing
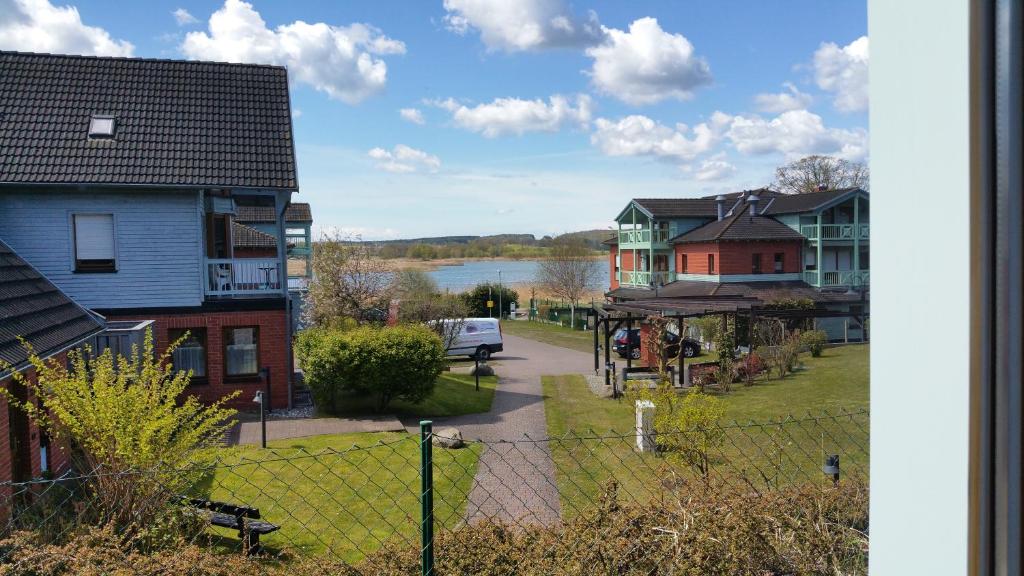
(473, 272)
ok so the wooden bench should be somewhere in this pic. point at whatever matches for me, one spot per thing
(242, 518)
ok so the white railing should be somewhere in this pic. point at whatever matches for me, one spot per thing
(836, 231)
(836, 278)
(643, 278)
(242, 276)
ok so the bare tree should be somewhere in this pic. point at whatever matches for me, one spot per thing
(814, 173)
(570, 271)
(349, 281)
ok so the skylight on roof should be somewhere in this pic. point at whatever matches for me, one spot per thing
(101, 126)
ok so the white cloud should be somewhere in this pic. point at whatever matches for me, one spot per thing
(412, 115)
(844, 71)
(39, 26)
(517, 25)
(641, 136)
(517, 116)
(340, 61)
(791, 99)
(714, 168)
(296, 113)
(647, 64)
(184, 17)
(795, 133)
(403, 159)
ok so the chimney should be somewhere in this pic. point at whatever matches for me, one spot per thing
(753, 200)
(720, 203)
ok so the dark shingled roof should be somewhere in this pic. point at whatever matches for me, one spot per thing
(296, 212)
(764, 291)
(243, 236)
(34, 309)
(177, 123)
(678, 207)
(740, 226)
(794, 203)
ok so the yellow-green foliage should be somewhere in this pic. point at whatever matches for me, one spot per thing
(687, 424)
(127, 417)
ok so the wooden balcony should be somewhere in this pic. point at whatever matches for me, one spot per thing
(644, 238)
(837, 232)
(837, 278)
(643, 278)
(244, 277)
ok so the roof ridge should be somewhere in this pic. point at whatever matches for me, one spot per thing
(141, 59)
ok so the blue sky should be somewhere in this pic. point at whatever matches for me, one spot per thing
(537, 116)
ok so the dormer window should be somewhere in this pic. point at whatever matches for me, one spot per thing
(101, 126)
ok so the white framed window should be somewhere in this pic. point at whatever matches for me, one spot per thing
(94, 242)
(241, 351)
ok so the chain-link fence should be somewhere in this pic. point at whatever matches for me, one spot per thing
(781, 497)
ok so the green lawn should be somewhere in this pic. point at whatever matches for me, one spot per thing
(551, 334)
(774, 451)
(453, 395)
(341, 494)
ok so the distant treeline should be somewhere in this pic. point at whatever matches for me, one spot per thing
(497, 246)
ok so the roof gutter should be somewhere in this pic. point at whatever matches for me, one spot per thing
(168, 187)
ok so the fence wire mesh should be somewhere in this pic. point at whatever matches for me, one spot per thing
(737, 498)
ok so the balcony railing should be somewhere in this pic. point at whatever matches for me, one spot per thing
(837, 278)
(643, 278)
(242, 276)
(643, 236)
(837, 231)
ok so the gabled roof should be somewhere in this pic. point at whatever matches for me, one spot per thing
(740, 226)
(243, 236)
(677, 207)
(176, 123)
(297, 212)
(809, 202)
(34, 309)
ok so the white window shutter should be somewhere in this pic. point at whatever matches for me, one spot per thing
(94, 236)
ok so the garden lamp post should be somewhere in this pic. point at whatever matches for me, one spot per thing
(263, 419)
(500, 309)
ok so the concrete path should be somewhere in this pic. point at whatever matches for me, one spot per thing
(249, 432)
(515, 481)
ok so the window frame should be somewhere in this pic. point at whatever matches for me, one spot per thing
(224, 351)
(780, 263)
(711, 263)
(683, 264)
(755, 263)
(174, 333)
(92, 266)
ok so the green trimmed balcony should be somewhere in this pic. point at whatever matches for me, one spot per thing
(837, 278)
(643, 238)
(643, 278)
(836, 232)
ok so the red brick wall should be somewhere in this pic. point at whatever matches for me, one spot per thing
(737, 257)
(697, 258)
(612, 282)
(274, 351)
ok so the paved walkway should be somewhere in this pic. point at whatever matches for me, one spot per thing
(249, 432)
(515, 481)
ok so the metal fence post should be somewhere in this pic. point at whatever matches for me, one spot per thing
(427, 497)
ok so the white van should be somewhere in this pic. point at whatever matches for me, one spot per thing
(478, 336)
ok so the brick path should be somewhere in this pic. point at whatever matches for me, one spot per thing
(515, 482)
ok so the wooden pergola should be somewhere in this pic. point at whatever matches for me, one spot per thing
(623, 314)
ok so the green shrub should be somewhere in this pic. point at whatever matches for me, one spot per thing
(387, 363)
(814, 341)
(476, 299)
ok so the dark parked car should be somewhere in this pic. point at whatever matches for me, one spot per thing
(691, 347)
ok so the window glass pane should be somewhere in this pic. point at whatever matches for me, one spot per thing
(240, 351)
(94, 236)
(100, 126)
(191, 353)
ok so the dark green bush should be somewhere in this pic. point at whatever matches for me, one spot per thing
(476, 299)
(814, 341)
(387, 363)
